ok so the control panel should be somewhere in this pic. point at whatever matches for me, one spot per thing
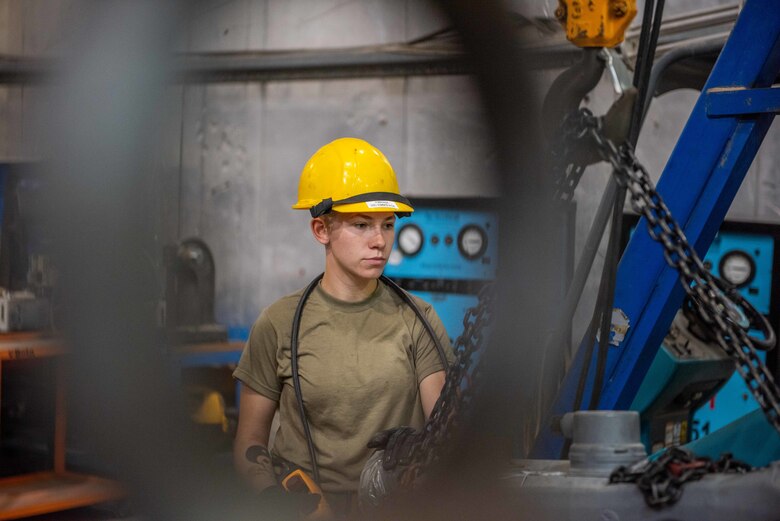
(746, 261)
(689, 393)
(445, 255)
(443, 244)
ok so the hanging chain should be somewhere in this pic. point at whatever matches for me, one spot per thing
(458, 392)
(566, 184)
(661, 480)
(569, 171)
(706, 291)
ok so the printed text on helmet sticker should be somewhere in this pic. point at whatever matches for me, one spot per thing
(382, 204)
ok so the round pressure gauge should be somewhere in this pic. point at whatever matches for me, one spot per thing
(737, 268)
(410, 239)
(472, 241)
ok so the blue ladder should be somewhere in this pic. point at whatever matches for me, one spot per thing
(706, 168)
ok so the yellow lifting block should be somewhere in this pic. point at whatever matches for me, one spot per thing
(211, 410)
(595, 23)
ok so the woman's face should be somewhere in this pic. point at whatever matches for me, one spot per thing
(359, 244)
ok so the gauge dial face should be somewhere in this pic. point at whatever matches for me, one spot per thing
(472, 241)
(410, 239)
(737, 267)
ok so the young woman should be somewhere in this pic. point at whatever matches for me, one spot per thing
(364, 359)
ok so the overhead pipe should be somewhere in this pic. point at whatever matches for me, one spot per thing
(359, 62)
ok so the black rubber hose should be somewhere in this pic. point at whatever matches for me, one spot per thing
(596, 320)
(315, 470)
(647, 44)
(610, 274)
(294, 355)
(672, 57)
(590, 337)
(643, 71)
(417, 311)
(588, 255)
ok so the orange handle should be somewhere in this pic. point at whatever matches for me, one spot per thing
(298, 481)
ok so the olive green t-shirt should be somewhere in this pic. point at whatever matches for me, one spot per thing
(360, 365)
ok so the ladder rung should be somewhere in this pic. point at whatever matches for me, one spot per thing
(739, 101)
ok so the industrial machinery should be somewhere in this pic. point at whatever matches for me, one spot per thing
(189, 295)
(27, 289)
(686, 373)
(585, 485)
(27, 274)
(678, 399)
(595, 24)
(202, 354)
(445, 252)
(646, 289)
(725, 128)
(744, 255)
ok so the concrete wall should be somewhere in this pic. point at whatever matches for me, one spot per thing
(243, 145)
(231, 154)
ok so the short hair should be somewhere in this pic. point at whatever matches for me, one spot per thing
(328, 219)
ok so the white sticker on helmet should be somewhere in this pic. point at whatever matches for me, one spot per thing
(382, 204)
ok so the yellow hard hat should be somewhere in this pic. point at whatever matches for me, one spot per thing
(350, 175)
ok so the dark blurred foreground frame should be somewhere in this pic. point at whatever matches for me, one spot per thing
(469, 485)
(107, 105)
(101, 155)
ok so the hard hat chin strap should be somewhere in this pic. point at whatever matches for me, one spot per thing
(326, 205)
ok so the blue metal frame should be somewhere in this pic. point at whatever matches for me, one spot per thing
(699, 183)
(736, 102)
(213, 359)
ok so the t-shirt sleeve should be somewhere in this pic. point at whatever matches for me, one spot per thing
(257, 366)
(427, 359)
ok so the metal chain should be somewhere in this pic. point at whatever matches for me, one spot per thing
(661, 480)
(458, 392)
(569, 172)
(566, 184)
(707, 291)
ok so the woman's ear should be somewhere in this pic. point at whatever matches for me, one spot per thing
(320, 230)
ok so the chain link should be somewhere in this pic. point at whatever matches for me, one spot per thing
(661, 480)
(458, 392)
(566, 184)
(708, 293)
(569, 172)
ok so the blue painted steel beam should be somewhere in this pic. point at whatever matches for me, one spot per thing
(742, 102)
(213, 359)
(699, 183)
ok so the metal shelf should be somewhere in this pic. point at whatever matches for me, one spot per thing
(47, 492)
(52, 491)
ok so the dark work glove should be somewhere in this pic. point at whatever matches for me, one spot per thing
(399, 446)
(280, 504)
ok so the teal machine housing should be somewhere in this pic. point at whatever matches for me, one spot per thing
(444, 253)
(448, 250)
(734, 400)
(691, 390)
